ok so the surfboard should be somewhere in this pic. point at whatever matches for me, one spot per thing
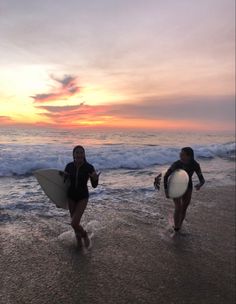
(54, 185)
(177, 183)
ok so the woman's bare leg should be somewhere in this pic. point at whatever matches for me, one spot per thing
(72, 207)
(186, 199)
(77, 211)
(177, 213)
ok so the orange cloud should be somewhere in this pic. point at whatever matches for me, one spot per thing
(68, 87)
(6, 120)
(80, 114)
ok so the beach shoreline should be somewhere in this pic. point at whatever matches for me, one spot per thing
(134, 258)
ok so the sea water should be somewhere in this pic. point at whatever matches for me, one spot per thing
(128, 160)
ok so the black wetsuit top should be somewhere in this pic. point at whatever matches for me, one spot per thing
(190, 168)
(78, 188)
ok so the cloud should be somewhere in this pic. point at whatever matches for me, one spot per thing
(201, 110)
(61, 109)
(6, 119)
(68, 87)
(198, 108)
(72, 114)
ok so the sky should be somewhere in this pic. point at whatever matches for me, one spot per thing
(126, 63)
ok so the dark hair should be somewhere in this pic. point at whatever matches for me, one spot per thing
(79, 147)
(189, 151)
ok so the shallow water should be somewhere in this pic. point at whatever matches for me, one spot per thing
(135, 257)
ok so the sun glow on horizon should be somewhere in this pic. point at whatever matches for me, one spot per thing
(163, 65)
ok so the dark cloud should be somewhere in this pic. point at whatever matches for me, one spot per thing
(68, 82)
(198, 108)
(61, 109)
(68, 87)
(43, 96)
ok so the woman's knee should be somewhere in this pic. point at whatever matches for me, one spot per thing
(74, 224)
(75, 220)
(78, 228)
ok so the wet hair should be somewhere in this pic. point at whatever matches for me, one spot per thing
(189, 151)
(81, 148)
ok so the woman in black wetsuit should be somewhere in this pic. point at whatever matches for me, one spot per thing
(79, 172)
(187, 163)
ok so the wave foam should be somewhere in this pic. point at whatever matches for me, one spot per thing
(20, 159)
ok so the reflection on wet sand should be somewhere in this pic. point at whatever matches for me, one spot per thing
(134, 258)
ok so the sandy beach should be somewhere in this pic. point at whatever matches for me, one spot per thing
(134, 259)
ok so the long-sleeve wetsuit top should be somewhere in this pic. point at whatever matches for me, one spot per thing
(189, 168)
(79, 177)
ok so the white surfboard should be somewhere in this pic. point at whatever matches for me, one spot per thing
(54, 185)
(177, 183)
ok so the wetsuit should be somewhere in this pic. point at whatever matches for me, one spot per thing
(190, 168)
(78, 189)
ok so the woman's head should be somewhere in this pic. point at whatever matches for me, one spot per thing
(187, 155)
(79, 154)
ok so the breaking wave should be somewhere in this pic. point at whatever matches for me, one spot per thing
(21, 159)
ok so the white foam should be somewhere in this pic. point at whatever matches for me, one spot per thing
(20, 159)
(68, 238)
(92, 227)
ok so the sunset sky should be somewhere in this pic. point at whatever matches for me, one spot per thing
(164, 64)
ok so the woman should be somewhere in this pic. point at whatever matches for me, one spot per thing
(79, 171)
(187, 163)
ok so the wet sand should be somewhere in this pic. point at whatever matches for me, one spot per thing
(134, 258)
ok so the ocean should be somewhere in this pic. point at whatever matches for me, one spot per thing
(128, 161)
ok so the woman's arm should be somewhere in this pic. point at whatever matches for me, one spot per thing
(94, 178)
(200, 177)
